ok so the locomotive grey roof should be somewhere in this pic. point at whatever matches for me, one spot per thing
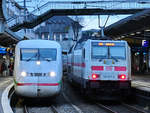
(38, 44)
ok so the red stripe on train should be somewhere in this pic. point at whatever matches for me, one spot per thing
(79, 64)
(120, 68)
(37, 84)
(98, 68)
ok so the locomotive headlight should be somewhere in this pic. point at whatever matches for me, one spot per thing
(23, 73)
(38, 62)
(52, 74)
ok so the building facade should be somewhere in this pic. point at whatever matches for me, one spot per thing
(61, 29)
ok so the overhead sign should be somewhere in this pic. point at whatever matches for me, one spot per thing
(2, 50)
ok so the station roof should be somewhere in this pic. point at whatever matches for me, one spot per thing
(36, 20)
(7, 37)
(135, 26)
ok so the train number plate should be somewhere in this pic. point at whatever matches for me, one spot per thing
(108, 76)
(38, 74)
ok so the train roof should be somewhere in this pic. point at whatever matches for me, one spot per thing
(108, 40)
(98, 39)
(38, 44)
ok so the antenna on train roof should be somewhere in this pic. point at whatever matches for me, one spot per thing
(103, 37)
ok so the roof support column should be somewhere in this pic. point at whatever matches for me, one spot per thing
(2, 25)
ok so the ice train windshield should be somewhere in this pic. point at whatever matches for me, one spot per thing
(33, 54)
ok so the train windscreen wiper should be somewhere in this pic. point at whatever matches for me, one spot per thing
(114, 58)
(31, 57)
(47, 59)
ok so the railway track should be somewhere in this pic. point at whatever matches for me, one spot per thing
(59, 107)
(109, 109)
(77, 109)
(137, 110)
(51, 109)
(106, 108)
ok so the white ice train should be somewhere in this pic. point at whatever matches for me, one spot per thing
(101, 66)
(38, 68)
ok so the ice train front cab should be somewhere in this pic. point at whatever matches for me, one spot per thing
(38, 68)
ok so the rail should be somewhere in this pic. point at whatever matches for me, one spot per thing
(106, 108)
(133, 108)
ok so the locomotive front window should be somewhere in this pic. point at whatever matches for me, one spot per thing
(117, 52)
(104, 51)
(29, 54)
(47, 54)
(99, 52)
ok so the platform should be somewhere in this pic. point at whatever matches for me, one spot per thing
(141, 85)
(141, 81)
(4, 82)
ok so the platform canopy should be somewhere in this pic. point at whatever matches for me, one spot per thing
(135, 26)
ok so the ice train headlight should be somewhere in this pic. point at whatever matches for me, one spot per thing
(23, 73)
(38, 63)
(52, 74)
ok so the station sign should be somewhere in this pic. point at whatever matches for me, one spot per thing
(145, 43)
(3, 51)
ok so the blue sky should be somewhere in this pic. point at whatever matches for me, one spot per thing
(90, 22)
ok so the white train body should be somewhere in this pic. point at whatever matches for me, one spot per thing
(38, 68)
(102, 65)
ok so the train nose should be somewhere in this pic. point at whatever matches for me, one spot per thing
(48, 91)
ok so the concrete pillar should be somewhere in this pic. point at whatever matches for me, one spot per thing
(2, 25)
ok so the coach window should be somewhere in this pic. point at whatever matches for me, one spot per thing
(83, 53)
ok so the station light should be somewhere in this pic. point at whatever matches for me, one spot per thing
(147, 30)
(132, 34)
(138, 32)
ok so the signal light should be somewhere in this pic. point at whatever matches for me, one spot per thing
(95, 76)
(122, 76)
(100, 44)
